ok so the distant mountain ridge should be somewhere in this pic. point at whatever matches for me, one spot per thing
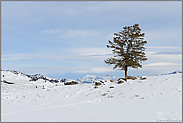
(173, 72)
(91, 78)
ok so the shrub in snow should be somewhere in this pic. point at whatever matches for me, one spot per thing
(95, 87)
(97, 83)
(102, 81)
(121, 81)
(71, 83)
(112, 86)
(136, 95)
(111, 80)
(129, 77)
(104, 94)
(7, 82)
(143, 77)
(132, 77)
(110, 96)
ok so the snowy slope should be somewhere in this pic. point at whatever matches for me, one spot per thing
(21, 78)
(157, 98)
(14, 77)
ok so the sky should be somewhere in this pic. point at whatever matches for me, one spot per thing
(62, 39)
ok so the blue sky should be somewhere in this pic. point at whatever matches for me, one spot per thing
(68, 39)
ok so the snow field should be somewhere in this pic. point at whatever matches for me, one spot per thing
(157, 98)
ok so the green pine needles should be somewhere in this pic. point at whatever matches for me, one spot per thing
(128, 47)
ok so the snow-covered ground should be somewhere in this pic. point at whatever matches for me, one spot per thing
(157, 98)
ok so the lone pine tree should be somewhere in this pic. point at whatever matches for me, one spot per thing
(128, 45)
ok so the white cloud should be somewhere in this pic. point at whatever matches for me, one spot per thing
(109, 36)
(15, 57)
(163, 47)
(168, 58)
(80, 33)
(35, 56)
(93, 70)
(162, 34)
(72, 54)
(163, 64)
(91, 51)
(50, 31)
(44, 69)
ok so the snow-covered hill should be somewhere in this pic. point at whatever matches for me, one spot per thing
(15, 77)
(157, 98)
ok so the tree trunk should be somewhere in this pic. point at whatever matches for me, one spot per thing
(126, 73)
